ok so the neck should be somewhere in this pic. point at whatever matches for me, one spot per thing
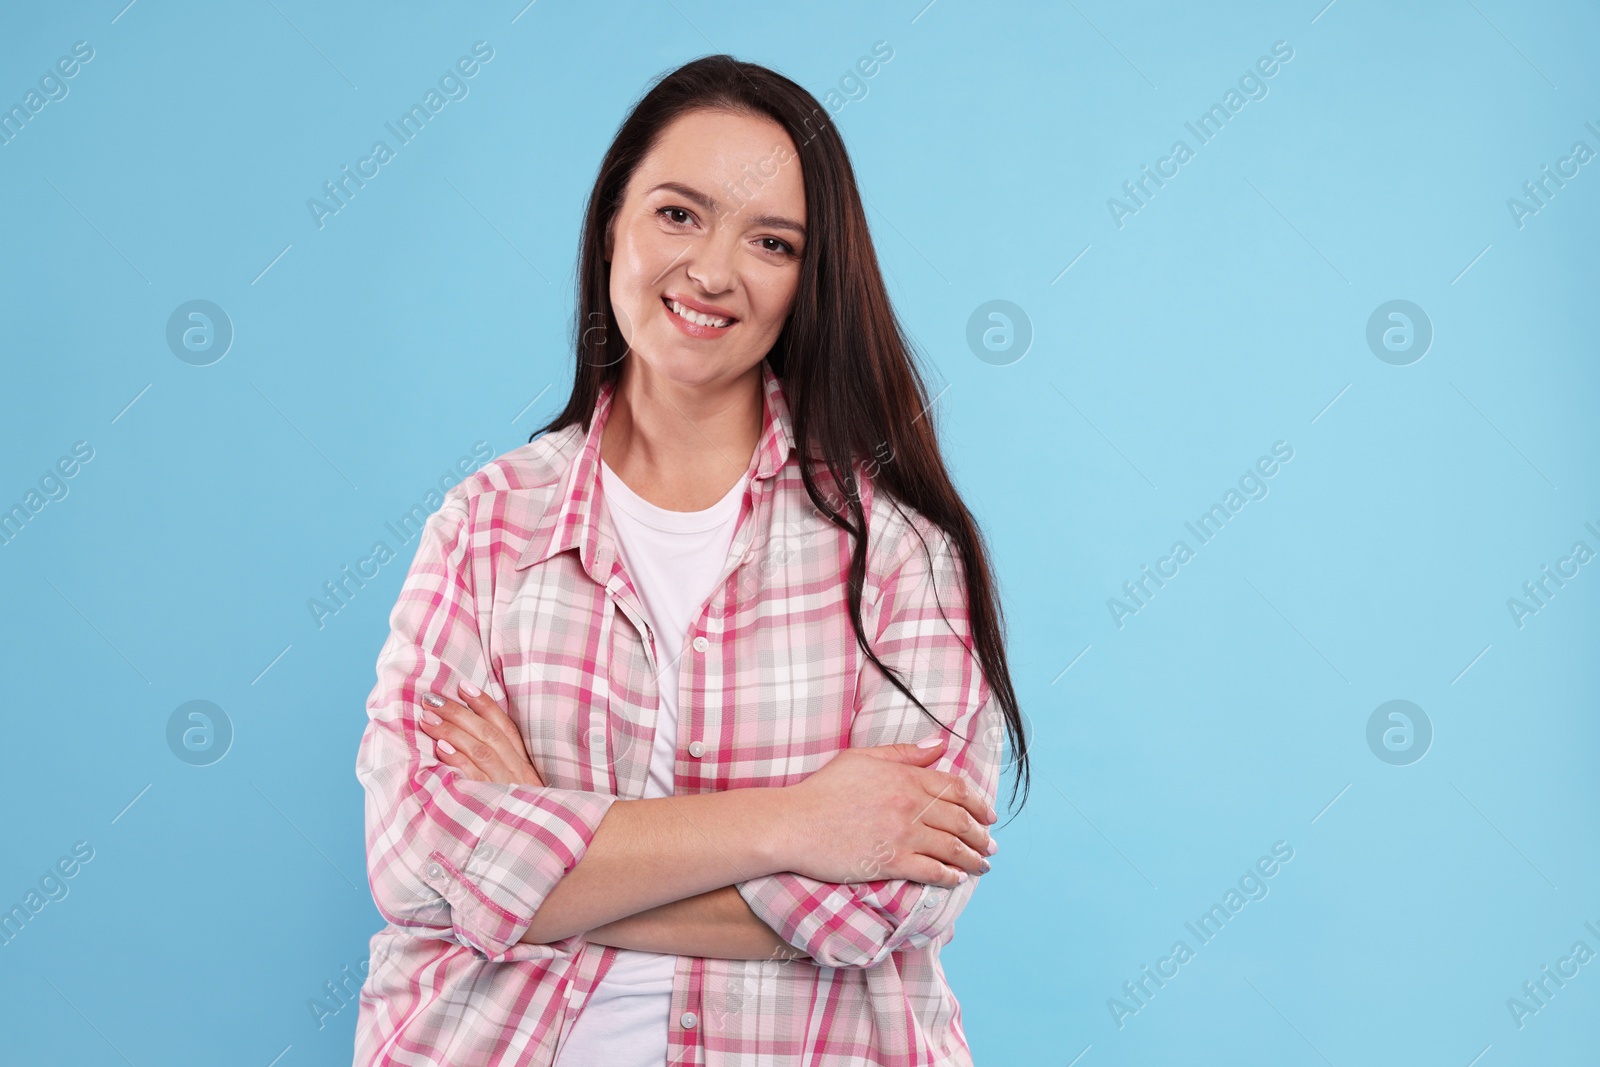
(681, 446)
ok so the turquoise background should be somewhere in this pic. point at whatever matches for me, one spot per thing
(1228, 313)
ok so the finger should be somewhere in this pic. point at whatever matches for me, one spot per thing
(949, 850)
(931, 870)
(914, 754)
(469, 721)
(955, 788)
(500, 758)
(957, 839)
(507, 740)
(488, 758)
(959, 822)
(453, 757)
(514, 749)
(492, 714)
(465, 731)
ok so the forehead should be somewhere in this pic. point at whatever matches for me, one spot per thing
(736, 159)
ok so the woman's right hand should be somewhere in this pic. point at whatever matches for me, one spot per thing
(881, 812)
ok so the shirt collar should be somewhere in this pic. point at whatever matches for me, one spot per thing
(577, 519)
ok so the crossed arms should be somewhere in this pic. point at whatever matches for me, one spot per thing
(518, 871)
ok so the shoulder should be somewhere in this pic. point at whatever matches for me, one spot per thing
(896, 530)
(517, 487)
(903, 543)
(540, 463)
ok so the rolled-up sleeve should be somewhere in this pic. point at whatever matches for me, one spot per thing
(923, 635)
(449, 857)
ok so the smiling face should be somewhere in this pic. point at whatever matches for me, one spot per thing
(706, 246)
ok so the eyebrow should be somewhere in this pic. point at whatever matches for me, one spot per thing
(778, 222)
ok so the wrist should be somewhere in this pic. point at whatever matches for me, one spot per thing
(773, 843)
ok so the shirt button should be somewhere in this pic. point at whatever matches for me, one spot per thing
(696, 749)
(689, 1019)
(701, 644)
(435, 871)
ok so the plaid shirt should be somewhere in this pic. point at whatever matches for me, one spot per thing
(517, 587)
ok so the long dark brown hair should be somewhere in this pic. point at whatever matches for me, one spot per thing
(846, 364)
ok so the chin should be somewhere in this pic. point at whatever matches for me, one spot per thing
(683, 365)
(676, 362)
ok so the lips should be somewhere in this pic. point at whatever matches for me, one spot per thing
(693, 322)
(699, 316)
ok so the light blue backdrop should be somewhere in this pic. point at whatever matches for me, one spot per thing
(1174, 342)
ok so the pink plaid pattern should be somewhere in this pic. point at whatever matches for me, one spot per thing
(517, 587)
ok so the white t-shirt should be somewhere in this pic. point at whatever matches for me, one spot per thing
(673, 557)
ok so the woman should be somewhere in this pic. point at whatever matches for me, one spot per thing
(683, 750)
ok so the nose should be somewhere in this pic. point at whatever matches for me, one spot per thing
(712, 264)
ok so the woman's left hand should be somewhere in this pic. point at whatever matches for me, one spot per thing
(477, 738)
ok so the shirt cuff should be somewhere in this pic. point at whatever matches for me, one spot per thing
(857, 924)
(494, 887)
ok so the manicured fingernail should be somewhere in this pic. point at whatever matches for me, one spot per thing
(431, 719)
(985, 866)
(994, 846)
(468, 688)
(446, 747)
(961, 876)
(433, 700)
(929, 742)
(992, 816)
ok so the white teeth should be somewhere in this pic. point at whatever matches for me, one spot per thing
(695, 316)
